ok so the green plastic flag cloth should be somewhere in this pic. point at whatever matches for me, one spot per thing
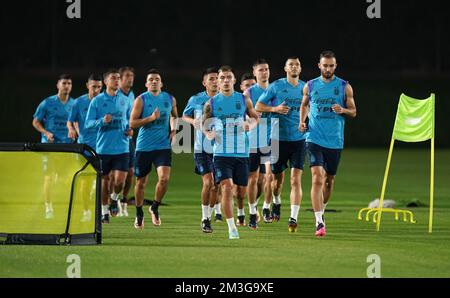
(415, 119)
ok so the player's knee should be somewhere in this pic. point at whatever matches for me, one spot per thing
(317, 180)
(208, 184)
(120, 181)
(252, 180)
(163, 180)
(261, 182)
(295, 182)
(140, 184)
(226, 187)
(240, 196)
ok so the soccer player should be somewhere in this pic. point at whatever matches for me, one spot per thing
(76, 127)
(77, 118)
(283, 99)
(330, 101)
(154, 113)
(247, 80)
(126, 84)
(50, 120)
(259, 145)
(203, 157)
(108, 113)
(52, 113)
(226, 121)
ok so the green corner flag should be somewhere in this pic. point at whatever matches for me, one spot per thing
(414, 123)
(415, 119)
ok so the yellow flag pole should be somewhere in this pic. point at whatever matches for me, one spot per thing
(383, 188)
(430, 224)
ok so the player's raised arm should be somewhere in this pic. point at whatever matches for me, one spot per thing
(135, 117)
(37, 122)
(207, 114)
(304, 109)
(73, 132)
(189, 119)
(350, 109)
(72, 123)
(92, 119)
(251, 112)
(173, 115)
(263, 106)
(173, 119)
(39, 127)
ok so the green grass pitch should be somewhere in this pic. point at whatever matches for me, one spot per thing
(179, 249)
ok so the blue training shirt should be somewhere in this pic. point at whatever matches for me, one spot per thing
(285, 127)
(194, 109)
(325, 127)
(130, 97)
(111, 137)
(228, 114)
(78, 114)
(155, 135)
(53, 115)
(259, 137)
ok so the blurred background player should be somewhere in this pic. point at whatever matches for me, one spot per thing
(259, 145)
(77, 129)
(154, 113)
(247, 80)
(50, 119)
(127, 75)
(283, 99)
(227, 112)
(108, 113)
(193, 114)
(329, 99)
(77, 117)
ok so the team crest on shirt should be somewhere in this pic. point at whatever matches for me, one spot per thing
(166, 105)
(238, 105)
(122, 103)
(336, 91)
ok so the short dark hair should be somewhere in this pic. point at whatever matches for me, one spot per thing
(209, 70)
(64, 76)
(225, 68)
(327, 54)
(247, 76)
(95, 77)
(153, 71)
(292, 58)
(109, 72)
(123, 69)
(259, 61)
